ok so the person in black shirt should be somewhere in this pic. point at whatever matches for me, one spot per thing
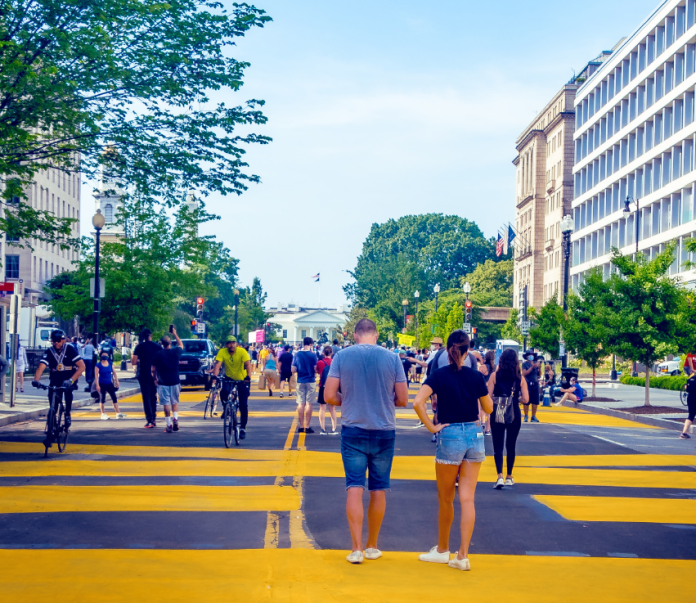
(285, 361)
(65, 366)
(460, 448)
(143, 354)
(165, 372)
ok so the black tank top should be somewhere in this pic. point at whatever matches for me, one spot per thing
(507, 387)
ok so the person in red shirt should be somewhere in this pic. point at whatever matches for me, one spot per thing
(323, 372)
(690, 364)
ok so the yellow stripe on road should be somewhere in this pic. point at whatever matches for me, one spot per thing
(635, 510)
(64, 499)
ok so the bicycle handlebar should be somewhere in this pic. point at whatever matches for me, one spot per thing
(39, 385)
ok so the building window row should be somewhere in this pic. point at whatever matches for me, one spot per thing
(650, 48)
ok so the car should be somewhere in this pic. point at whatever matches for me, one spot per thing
(196, 361)
(669, 367)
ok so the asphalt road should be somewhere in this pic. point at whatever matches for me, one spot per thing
(603, 509)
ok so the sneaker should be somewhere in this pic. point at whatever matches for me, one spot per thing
(434, 439)
(281, 394)
(153, 425)
(432, 556)
(499, 484)
(684, 436)
(460, 564)
(270, 392)
(355, 557)
(168, 429)
(526, 419)
(323, 432)
(372, 554)
(334, 432)
(487, 433)
(308, 430)
(121, 415)
(535, 420)
(420, 424)
(242, 434)
(147, 425)
(104, 417)
(175, 424)
(509, 481)
(300, 430)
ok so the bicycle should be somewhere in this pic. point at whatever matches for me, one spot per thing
(683, 395)
(230, 415)
(211, 401)
(56, 427)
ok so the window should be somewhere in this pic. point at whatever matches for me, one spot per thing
(109, 213)
(285, 333)
(303, 333)
(11, 267)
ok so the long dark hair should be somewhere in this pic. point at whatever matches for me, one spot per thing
(457, 346)
(489, 361)
(509, 366)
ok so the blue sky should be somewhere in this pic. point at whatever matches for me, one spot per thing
(387, 108)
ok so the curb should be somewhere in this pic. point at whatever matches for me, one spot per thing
(645, 420)
(41, 412)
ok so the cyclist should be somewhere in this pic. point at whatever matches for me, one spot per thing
(65, 366)
(238, 368)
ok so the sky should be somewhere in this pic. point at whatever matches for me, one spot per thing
(380, 109)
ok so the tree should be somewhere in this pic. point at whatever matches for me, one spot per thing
(491, 284)
(357, 313)
(129, 76)
(511, 329)
(546, 333)
(455, 319)
(642, 307)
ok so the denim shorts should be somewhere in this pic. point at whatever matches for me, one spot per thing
(460, 442)
(367, 451)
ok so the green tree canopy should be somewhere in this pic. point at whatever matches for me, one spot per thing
(546, 334)
(491, 284)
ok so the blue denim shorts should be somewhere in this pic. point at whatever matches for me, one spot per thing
(367, 451)
(460, 442)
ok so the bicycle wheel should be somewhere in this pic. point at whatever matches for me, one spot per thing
(209, 405)
(50, 426)
(683, 395)
(227, 425)
(61, 429)
(235, 422)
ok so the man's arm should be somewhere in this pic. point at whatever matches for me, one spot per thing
(80, 369)
(247, 368)
(39, 371)
(526, 372)
(401, 394)
(178, 339)
(216, 367)
(331, 393)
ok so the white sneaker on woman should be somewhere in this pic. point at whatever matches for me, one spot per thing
(104, 417)
(509, 481)
(499, 484)
(372, 554)
(432, 556)
(355, 557)
(460, 564)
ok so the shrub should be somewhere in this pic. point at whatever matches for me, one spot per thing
(666, 382)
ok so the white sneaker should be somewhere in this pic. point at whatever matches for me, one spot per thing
(372, 554)
(121, 415)
(460, 564)
(104, 417)
(433, 556)
(355, 557)
(509, 482)
(499, 484)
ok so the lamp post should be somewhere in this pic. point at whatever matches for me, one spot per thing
(467, 290)
(567, 227)
(405, 305)
(416, 295)
(236, 306)
(436, 288)
(627, 210)
(98, 222)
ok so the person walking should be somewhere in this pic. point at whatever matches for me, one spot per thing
(87, 354)
(142, 358)
(508, 387)
(285, 361)
(323, 372)
(165, 372)
(460, 447)
(530, 371)
(335, 348)
(691, 403)
(304, 364)
(107, 383)
(270, 370)
(372, 384)
(20, 366)
(487, 368)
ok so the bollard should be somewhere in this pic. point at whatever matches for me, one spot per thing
(547, 398)
(124, 365)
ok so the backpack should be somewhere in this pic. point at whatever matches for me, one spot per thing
(324, 375)
(434, 361)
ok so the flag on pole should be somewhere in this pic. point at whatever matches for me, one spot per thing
(505, 241)
(316, 277)
(499, 246)
(511, 234)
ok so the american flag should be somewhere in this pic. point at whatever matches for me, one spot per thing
(499, 246)
(316, 277)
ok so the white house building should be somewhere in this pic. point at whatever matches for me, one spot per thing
(634, 139)
(298, 322)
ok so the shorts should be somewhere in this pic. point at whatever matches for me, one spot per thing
(533, 395)
(367, 451)
(168, 394)
(285, 376)
(269, 374)
(320, 396)
(459, 442)
(306, 393)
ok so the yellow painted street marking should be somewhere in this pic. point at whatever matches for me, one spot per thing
(306, 576)
(587, 419)
(608, 460)
(62, 499)
(637, 510)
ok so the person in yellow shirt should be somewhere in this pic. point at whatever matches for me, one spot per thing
(263, 354)
(237, 365)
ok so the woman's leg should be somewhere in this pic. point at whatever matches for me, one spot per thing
(498, 434)
(114, 400)
(691, 402)
(446, 476)
(332, 412)
(513, 430)
(322, 416)
(467, 489)
(102, 398)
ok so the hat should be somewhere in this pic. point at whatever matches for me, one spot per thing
(402, 353)
(437, 340)
(231, 339)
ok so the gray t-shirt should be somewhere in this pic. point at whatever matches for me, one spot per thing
(367, 374)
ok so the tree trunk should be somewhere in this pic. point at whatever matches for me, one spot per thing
(647, 386)
(594, 382)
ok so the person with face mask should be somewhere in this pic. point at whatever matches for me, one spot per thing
(530, 371)
(107, 383)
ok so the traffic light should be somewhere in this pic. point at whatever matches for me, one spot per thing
(199, 307)
(469, 306)
(474, 332)
(193, 324)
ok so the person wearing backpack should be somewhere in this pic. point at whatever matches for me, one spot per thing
(508, 388)
(323, 372)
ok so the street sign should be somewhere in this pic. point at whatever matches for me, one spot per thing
(467, 327)
(102, 287)
(561, 349)
(525, 325)
(200, 327)
(7, 287)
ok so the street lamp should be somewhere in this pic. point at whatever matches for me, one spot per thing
(627, 210)
(416, 295)
(436, 288)
(405, 305)
(236, 306)
(567, 228)
(98, 222)
(467, 289)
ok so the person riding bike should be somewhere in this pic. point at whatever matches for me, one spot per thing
(238, 368)
(65, 366)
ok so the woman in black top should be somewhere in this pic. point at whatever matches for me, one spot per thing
(487, 368)
(505, 382)
(460, 449)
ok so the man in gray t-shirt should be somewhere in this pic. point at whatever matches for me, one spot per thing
(372, 384)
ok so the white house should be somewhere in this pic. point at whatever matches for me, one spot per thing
(297, 322)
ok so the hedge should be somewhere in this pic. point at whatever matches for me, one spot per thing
(667, 382)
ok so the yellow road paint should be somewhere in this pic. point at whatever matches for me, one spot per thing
(608, 460)
(306, 576)
(62, 499)
(614, 509)
(587, 419)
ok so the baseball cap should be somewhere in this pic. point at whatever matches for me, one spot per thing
(231, 339)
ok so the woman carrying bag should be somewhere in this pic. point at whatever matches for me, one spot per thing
(106, 382)
(506, 386)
